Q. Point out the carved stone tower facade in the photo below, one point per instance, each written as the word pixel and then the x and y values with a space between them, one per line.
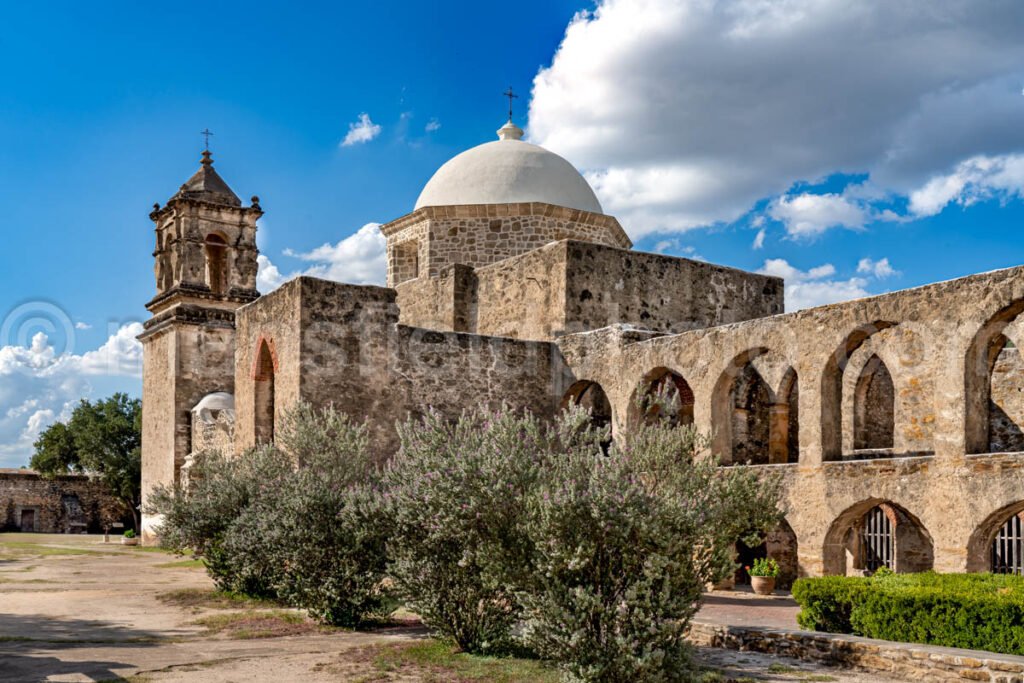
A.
pixel 205 270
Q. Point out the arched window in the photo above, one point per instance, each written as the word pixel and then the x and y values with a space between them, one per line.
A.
pixel 216 264
pixel 875 534
pixel 874 412
pixel 1008 547
pixel 591 397
pixel 752 403
pixel 1006 398
pixel 663 390
pixel 264 393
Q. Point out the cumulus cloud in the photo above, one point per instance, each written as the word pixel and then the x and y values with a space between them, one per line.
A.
pixel 360 258
pixel 39 385
pixel 758 239
pixel 819 285
pixel 880 269
pixel 432 125
pixel 685 113
pixel 808 215
pixel 814 287
pixel 361 131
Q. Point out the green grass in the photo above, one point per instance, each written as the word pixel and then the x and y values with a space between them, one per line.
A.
pixel 261 624
pixel 214 599
pixel 776 668
pixel 439 661
pixel 182 564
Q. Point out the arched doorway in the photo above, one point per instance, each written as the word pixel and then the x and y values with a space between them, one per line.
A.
pixel 779 544
pixel 875 534
pixel 751 418
pixel 263 394
pixel 994 385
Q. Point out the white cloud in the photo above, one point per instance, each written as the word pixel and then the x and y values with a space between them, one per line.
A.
pixel 808 215
pixel 758 239
pixel 82 326
pixel 360 258
pixel 973 180
pixel 685 113
pixel 819 286
pixel 432 125
pixel 880 269
pixel 38 385
pixel 805 289
pixel 361 131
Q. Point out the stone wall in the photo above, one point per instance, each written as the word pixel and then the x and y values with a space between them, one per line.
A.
pixel 341 345
pixel 570 286
pixel 478 235
pixel 903 661
pixel 65 504
pixel 936 343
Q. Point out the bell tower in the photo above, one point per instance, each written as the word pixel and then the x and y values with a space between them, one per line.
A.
pixel 205 268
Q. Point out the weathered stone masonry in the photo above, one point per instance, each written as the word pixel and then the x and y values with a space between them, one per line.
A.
pixel 64 504
pixel 896 421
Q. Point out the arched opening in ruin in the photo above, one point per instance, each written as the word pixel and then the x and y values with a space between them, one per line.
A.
pixel 832 388
pixel 874 534
pixel 874 407
pixel 591 397
pixel 994 385
pixel 263 394
pixel 779 544
pixel 216 263
pixel 997 545
pixel 785 433
pixel 751 418
pixel 752 423
pixel 662 395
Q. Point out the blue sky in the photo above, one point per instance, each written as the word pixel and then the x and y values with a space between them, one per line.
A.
pixel 852 151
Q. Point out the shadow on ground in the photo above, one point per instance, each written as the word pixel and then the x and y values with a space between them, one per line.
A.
pixel 34 648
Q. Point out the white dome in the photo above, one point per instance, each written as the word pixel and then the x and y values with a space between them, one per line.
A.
pixel 508 171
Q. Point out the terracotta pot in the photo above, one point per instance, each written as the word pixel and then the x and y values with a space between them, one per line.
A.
pixel 763 585
pixel 129 541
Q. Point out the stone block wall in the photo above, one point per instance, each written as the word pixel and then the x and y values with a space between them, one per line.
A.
pixel 952 489
pixel 478 235
pixel 66 504
pixel 341 345
pixel 570 286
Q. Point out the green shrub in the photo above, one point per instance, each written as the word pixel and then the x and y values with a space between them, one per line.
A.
pixel 456 495
pixel 130 533
pixel 975 611
pixel 299 520
pixel 827 602
pixel 625 544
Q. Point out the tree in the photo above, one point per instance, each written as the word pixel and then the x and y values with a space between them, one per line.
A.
pixel 102 439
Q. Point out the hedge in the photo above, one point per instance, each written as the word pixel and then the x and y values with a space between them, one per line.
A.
pixel 974 611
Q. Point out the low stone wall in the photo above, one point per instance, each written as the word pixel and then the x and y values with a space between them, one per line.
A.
pixel 906 661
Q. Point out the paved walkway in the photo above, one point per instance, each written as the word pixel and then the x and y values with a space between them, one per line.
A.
pixel 74 609
pixel 744 608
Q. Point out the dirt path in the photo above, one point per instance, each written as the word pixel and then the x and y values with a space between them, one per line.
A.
pixel 74 609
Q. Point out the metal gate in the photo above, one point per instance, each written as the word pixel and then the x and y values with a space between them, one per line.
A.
pixel 1008 548
pixel 877 540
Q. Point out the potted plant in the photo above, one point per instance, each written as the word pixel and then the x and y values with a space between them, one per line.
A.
pixel 763 573
pixel 129 538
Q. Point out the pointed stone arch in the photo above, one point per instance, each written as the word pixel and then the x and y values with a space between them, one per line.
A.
pixel 874 407
pixel 990 345
pixel 851 543
pixel 591 396
pixel 832 387
pixel 657 386
pixel 264 373
pixel 987 552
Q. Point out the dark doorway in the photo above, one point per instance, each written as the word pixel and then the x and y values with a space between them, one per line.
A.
pixel 28 520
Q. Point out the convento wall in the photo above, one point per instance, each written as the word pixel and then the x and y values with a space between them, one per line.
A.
pixel 896 421
pixel 67 504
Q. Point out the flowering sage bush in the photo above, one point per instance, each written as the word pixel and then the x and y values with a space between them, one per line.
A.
pixel 457 495
pixel 304 526
pixel 624 546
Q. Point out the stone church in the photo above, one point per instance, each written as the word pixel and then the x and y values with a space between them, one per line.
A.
pixel 897 421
